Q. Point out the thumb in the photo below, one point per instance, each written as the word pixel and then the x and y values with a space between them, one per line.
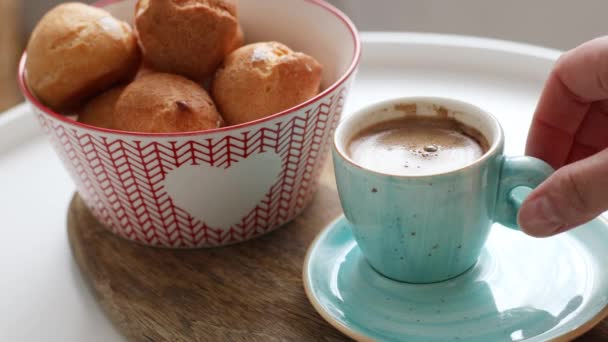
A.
pixel 573 195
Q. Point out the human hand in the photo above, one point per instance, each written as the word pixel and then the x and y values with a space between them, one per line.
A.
pixel 570 132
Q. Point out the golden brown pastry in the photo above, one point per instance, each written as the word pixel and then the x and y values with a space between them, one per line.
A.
pixel 164 103
pixel 100 110
pixel 186 37
pixel 262 79
pixel 76 51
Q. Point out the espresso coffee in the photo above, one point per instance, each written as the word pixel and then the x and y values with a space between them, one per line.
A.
pixel 417 145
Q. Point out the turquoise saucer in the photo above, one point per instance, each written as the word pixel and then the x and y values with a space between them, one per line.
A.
pixel 522 288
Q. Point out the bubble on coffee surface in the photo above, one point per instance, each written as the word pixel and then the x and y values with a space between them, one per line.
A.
pixel 431 148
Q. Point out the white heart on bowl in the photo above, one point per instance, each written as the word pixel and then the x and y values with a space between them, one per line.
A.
pixel 222 197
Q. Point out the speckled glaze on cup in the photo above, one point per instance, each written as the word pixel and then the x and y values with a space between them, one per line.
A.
pixel 429 228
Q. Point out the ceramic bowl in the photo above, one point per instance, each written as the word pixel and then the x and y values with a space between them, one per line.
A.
pixel 218 187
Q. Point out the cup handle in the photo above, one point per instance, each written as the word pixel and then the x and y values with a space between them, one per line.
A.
pixel 515 172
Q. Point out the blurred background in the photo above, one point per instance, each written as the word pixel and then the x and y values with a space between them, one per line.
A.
pixel 559 24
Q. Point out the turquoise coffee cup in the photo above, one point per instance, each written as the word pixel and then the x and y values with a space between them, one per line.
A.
pixel 429 228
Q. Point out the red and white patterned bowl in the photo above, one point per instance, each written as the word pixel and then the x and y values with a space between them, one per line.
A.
pixel 212 188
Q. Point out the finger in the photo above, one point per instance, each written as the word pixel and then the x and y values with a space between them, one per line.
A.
pixel 549 143
pixel 594 128
pixel 591 136
pixel 578 79
pixel 580 151
pixel 572 196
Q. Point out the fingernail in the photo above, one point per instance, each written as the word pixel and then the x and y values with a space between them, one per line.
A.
pixel 539 217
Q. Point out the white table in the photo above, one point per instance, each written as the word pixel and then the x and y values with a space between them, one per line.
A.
pixel 42 295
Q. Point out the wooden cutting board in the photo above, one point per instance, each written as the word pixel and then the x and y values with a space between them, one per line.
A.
pixel 248 292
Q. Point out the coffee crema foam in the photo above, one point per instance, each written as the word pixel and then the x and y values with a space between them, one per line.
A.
pixel 415 145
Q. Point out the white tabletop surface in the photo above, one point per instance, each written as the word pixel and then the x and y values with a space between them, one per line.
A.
pixel 42 294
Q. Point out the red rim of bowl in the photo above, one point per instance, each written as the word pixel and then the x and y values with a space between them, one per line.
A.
pixel 352 67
